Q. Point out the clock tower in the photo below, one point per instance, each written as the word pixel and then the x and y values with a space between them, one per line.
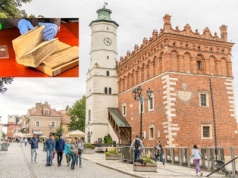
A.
pixel 101 84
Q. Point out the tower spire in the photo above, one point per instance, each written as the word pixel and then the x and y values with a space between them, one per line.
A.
pixel 105 4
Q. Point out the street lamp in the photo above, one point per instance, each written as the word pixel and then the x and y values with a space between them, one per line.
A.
pixel 50 126
pixel 139 97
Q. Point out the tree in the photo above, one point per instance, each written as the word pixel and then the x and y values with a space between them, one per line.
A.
pixel 77 114
pixel 11 8
pixel 4 81
pixel 3 135
pixel 59 131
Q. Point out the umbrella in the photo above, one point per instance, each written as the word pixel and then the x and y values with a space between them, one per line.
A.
pixel 27 135
pixel 19 134
pixel 43 136
pixel 76 133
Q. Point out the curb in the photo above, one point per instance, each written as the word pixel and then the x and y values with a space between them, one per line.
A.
pixel 115 169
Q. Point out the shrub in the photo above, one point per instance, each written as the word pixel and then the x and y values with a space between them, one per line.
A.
pixel 112 150
pixel 89 146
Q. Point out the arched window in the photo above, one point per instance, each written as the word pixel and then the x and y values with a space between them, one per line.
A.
pixel 110 90
pixel 107 73
pixel 89 137
pixel 89 115
pixel 105 90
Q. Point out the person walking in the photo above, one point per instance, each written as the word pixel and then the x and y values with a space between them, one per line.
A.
pixel 34 148
pixel 59 147
pixel 138 146
pixel 159 153
pixel 73 152
pixel 25 140
pixel 79 147
pixel 196 156
pixel 67 152
pixel 49 146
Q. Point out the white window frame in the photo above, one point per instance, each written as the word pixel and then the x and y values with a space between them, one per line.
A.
pixel 46 110
pixel 152 97
pixel 52 124
pixel 143 106
pixel 158 133
pixel 152 127
pixel 124 105
pixel 38 122
pixel 144 134
pixel 210 134
pixel 207 98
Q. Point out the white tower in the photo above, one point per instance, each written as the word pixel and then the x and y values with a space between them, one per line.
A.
pixel 101 91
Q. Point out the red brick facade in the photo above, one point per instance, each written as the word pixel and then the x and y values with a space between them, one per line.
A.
pixel 176 65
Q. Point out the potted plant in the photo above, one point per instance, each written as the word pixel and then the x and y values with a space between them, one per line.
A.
pixel 146 164
pixel 112 154
pixel 89 149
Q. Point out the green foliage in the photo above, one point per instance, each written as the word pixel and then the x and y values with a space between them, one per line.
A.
pixel 11 8
pixel 4 81
pixel 77 115
pixel 59 130
pixel 89 146
pixel 148 158
pixel 112 150
pixel 108 139
pixel 3 135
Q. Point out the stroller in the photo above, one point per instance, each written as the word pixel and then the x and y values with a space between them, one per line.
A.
pixel 219 164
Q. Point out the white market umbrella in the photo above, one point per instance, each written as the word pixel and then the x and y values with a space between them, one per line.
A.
pixel 76 133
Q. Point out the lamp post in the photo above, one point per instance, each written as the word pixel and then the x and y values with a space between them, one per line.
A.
pixel 50 126
pixel 139 97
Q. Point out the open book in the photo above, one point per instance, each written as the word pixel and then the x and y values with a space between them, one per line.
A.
pixel 51 57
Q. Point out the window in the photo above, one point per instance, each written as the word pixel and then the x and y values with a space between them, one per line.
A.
pixel 151 132
pixel 203 99
pixel 151 103
pixel 199 65
pixel 53 124
pixel 110 90
pixel 206 131
pixel 89 115
pixel 105 90
pixel 107 57
pixel 89 137
pixel 158 133
pixel 199 48
pixel 107 28
pixel 107 73
pixel 46 111
pixel 37 124
pixel 124 109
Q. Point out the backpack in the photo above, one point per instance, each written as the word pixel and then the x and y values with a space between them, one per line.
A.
pixel 137 143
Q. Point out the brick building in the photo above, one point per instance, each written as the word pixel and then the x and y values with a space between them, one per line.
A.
pixel 13 125
pixel 177 65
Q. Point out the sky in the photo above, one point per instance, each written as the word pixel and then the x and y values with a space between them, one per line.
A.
pixel 137 19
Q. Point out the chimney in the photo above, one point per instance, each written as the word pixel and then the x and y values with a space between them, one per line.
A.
pixel 223 30
pixel 167 23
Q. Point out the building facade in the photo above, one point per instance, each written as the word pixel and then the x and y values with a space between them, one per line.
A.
pixel 13 125
pixel 177 65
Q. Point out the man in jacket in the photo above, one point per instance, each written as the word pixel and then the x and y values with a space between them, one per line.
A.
pixel 59 146
pixel 137 144
pixel 50 148
pixel 79 146
pixel 34 147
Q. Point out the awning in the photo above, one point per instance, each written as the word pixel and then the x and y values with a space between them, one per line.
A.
pixel 37 132
pixel 118 117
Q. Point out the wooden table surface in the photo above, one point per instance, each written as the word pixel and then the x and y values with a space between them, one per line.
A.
pixel 69 33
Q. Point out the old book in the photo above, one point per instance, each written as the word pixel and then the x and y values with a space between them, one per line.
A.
pixel 31 49
pixel 61 61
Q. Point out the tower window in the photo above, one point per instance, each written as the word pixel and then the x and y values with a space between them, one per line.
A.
pixel 199 65
pixel 89 115
pixel 105 90
pixel 110 90
pixel 124 109
pixel 203 99
pixel 107 73
pixel 107 57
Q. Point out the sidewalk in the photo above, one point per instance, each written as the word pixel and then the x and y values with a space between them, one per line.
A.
pixel 167 171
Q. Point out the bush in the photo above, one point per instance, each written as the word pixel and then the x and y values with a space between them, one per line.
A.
pixel 112 150
pixel 89 146
pixel 148 157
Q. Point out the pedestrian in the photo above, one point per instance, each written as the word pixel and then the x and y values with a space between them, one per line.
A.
pixel 59 147
pixel 79 147
pixel 196 156
pixel 25 140
pixel 49 146
pixel 73 152
pixel 34 148
pixel 67 152
pixel 21 140
pixel 138 146
pixel 159 153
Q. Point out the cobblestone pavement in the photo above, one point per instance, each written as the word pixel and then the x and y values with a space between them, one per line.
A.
pixel 16 163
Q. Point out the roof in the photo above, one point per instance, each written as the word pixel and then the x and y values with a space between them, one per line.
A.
pixel 118 117
pixel 65 118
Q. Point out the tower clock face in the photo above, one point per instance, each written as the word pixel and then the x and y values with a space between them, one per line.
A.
pixel 107 41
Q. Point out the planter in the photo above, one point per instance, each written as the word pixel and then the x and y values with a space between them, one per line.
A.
pixel 149 167
pixel 88 151
pixel 113 157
